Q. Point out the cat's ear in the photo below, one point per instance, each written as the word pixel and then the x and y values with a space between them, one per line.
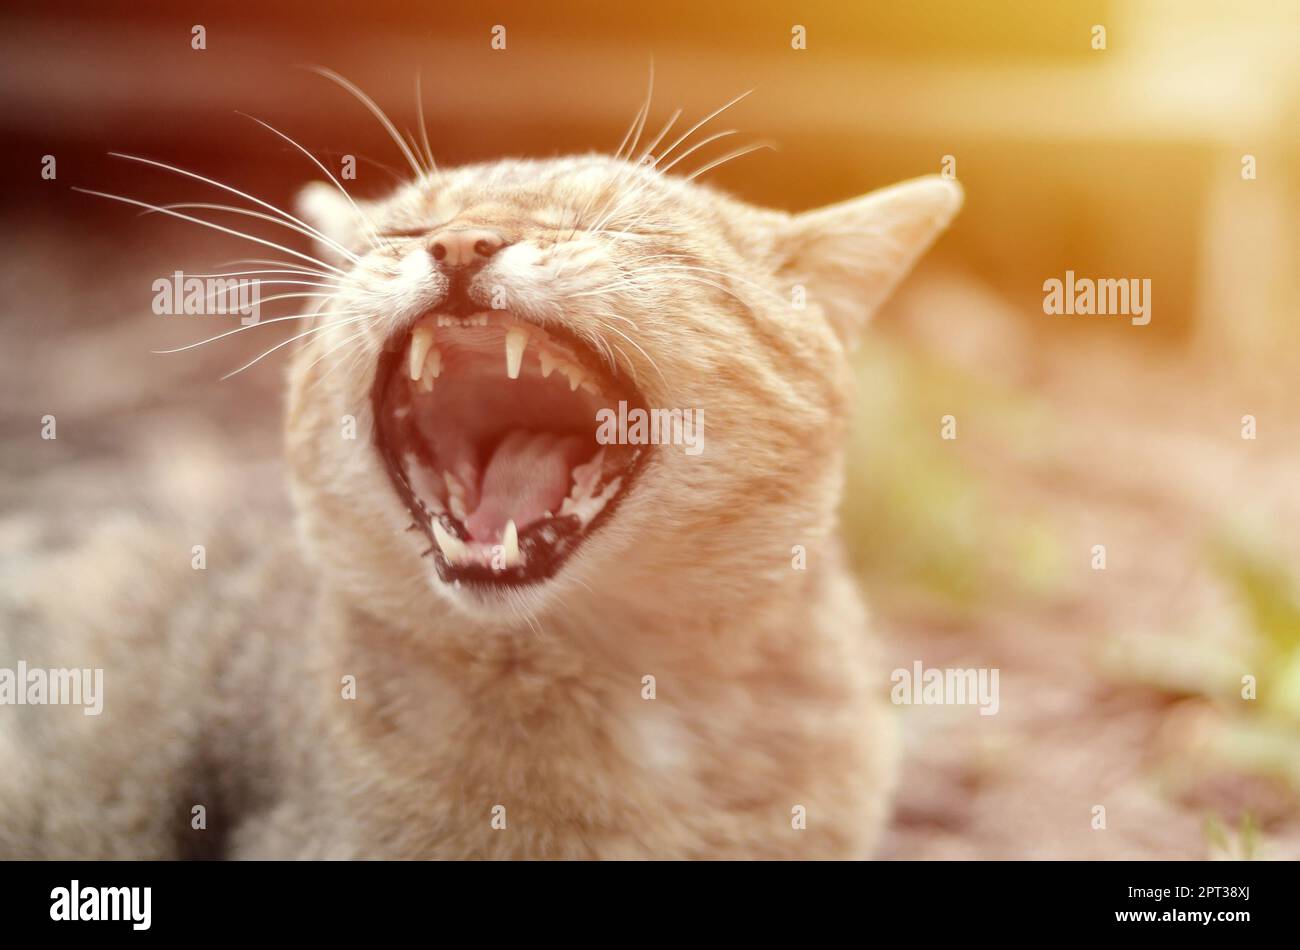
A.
pixel 328 210
pixel 849 256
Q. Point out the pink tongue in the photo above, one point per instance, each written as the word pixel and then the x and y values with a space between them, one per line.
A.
pixel 529 474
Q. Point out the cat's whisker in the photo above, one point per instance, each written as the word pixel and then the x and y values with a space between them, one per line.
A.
pixel 628 320
pixel 602 348
pixel 297 296
pixel 522 611
pixel 355 357
pixel 248 212
pixel 606 217
pixel 252 273
pixel 377 112
pixel 326 326
pixel 627 361
pixel 649 150
pixel 424 131
pixel 252 326
pixel 639 126
pixel 611 346
pixel 637 119
pixel 648 358
pixel 705 121
pixel 409 137
pixel 294 265
pixel 228 291
pixel 642 115
pixel 228 188
pixel 213 225
pixel 696 147
pixel 372 233
pixel 642 162
pixel 738 153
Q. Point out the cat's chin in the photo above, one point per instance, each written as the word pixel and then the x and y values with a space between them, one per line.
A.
pixel 489 428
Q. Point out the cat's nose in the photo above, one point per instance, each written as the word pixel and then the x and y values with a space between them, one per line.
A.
pixel 465 247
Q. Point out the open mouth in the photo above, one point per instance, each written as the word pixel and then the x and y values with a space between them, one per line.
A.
pixel 487 425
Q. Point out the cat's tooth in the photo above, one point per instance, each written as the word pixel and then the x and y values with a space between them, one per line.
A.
pixel 575 374
pixel 510 543
pixel 421 340
pixel 453 548
pixel 433 362
pixel 455 496
pixel 427 375
pixel 548 363
pixel 516 342
pixel 457 507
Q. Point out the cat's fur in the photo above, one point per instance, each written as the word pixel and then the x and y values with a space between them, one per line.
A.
pixel 229 693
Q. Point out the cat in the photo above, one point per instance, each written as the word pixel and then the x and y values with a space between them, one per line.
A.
pixel 491 636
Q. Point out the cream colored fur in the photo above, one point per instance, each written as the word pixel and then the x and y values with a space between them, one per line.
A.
pixel 766 700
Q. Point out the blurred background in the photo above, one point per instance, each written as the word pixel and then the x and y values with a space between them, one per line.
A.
pixel 1120 687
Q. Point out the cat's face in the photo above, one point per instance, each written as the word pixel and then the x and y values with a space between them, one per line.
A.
pixel 464 426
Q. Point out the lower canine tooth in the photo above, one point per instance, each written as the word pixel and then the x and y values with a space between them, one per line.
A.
pixel 421 340
pixel 510 543
pixel 453 548
pixel 516 342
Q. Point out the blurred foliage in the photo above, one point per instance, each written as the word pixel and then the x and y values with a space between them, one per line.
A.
pixel 1266 591
pixel 918 515
pixel 1257 737
pixel 1225 845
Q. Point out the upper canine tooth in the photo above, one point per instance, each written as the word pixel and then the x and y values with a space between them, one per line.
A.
pixel 421 340
pixel 510 543
pixel 516 342
pixel 453 548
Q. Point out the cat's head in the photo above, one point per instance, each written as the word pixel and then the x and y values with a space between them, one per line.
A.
pixel 446 433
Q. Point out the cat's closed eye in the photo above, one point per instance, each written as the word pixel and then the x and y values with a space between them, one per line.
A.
pixel 406 232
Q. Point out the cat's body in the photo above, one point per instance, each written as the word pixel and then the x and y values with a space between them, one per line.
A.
pixel 694 681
